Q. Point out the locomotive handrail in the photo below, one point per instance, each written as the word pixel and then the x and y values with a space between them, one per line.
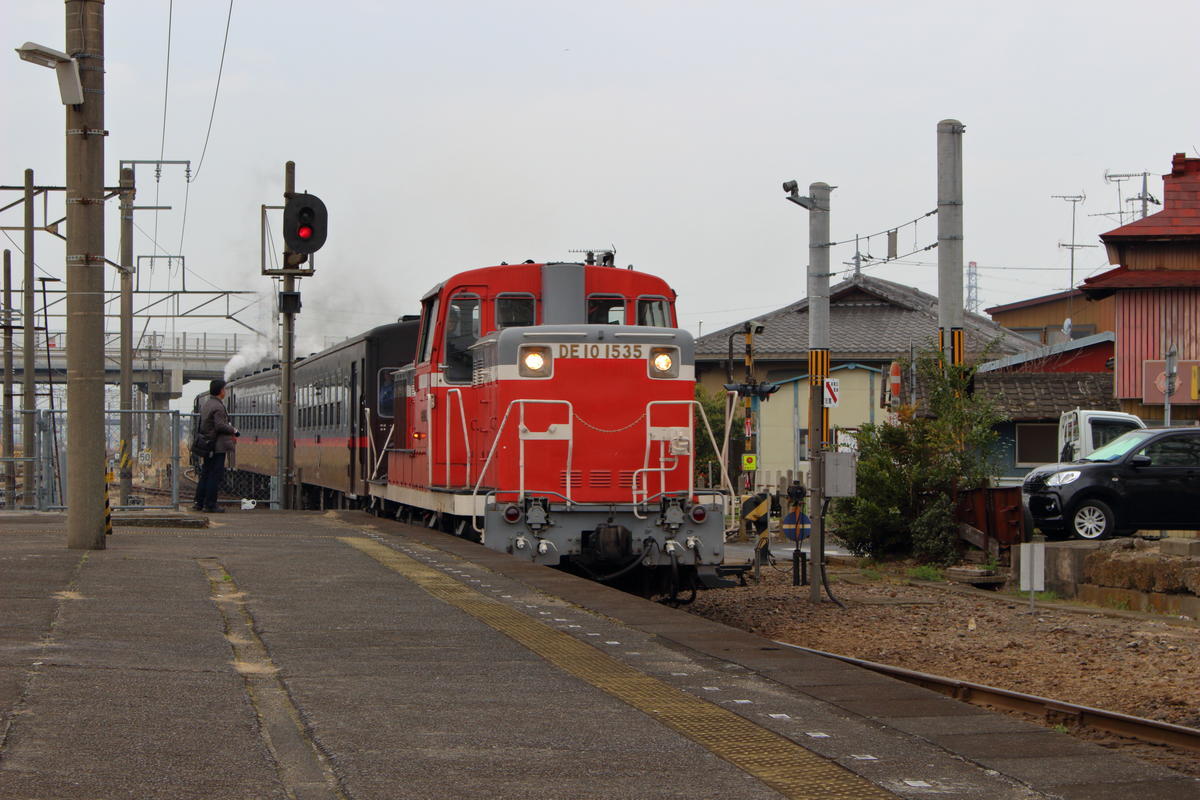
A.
pixel 462 416
pixel 691 456
pixel 496 443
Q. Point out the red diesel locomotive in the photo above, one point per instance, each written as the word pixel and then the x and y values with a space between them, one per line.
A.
pixel 546 410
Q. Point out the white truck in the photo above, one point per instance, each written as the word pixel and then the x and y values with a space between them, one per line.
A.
pixel 1080 432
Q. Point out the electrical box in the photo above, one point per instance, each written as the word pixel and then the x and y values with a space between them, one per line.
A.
pixel 840 474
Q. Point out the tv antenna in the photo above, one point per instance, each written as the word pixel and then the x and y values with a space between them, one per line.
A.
pixel 1074 200
pixel 1144 196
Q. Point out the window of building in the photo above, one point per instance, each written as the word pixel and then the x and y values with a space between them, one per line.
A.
pixel 1037 444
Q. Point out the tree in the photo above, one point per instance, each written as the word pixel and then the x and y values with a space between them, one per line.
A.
pixel 713 404
pixel 911 471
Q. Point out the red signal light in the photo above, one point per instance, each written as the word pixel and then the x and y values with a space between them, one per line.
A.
pixel 305 232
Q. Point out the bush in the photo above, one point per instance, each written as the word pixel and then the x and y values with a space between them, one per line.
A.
pixel 910 471
pixel 935 533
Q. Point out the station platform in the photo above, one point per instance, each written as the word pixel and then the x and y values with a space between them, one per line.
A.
pixel 324 655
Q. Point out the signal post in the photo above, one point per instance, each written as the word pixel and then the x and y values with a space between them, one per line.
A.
pixel 305 228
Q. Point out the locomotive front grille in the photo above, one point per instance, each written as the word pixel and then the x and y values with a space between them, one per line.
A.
pixel 600 479
pixel 576 478
pixel 625 479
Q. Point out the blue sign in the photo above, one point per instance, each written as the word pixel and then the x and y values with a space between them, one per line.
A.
pixel 789 526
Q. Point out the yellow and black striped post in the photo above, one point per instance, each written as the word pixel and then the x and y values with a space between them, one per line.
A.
pixel 108 479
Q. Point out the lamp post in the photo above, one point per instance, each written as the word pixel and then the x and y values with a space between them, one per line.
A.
pixel 82 91
pixel 817 205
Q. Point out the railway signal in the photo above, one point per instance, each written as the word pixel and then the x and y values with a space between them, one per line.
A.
pixel 305 223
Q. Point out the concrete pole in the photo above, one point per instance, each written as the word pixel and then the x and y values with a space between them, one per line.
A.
pixel 10 467
pixel 28 350
pixel 287 388
pixel 126 405
pixel 818 371
pixel 85 281
pixel 950 241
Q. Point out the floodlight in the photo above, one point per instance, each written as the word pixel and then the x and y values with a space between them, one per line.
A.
pixel 70 88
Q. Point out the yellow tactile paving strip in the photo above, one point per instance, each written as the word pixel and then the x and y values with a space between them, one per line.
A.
pixel 778 762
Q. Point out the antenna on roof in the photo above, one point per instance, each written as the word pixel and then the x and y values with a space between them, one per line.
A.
pixel 604 256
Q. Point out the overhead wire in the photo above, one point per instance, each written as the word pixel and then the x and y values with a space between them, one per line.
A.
pixel 162 147
pixel 208 132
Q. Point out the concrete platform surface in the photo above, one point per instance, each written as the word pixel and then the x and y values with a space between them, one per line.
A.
pixel 338 655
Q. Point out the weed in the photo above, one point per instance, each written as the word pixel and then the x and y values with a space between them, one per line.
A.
pixel 925 573
pixel 1119 605
pixel 1060 728
pixel 871 574
pixel 226 577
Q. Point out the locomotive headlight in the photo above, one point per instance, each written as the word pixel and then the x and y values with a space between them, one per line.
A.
pixel 664 362
pixel 534 361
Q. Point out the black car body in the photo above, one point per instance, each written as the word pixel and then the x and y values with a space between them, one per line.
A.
pixel 1145 479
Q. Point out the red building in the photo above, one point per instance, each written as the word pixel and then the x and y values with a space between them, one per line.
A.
pixel 1156 287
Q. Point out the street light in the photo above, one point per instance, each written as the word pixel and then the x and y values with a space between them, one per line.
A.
pixel 70 88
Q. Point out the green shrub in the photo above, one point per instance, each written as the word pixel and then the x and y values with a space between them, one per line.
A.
pixel 925 573
pixel 909 471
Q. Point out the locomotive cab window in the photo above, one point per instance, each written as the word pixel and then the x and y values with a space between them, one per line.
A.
pixel 462 331
pixel 654 312
pixel 606 309
pixel 515 311
pixel 429 316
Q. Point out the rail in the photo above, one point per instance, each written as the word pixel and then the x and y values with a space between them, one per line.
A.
pixel 1140 728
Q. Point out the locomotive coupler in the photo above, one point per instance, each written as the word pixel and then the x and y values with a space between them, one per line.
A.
pixel 672 515
pixel 536 516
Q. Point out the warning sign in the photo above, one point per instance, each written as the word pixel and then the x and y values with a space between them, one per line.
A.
pixel 749 462
pixel 833 392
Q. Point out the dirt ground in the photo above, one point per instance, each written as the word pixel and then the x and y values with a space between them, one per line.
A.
pixel 1134 664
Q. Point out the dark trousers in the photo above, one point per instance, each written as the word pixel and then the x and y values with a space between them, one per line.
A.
pixel 212 473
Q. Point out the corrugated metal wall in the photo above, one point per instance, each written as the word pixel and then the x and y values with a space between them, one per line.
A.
pixel 1148 322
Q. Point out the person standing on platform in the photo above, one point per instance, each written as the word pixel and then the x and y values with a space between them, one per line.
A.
pixel 214 423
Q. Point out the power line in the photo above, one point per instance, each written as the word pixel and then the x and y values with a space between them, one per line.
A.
pixel 216 92
pixel 162 147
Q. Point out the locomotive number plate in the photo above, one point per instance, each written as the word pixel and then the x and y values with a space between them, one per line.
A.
pixel 599 350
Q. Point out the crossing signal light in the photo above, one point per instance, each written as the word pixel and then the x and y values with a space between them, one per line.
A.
pixel 762 391
pixel 305 223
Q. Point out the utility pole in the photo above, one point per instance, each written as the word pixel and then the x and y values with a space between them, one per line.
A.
pixel 951 341
pixel 817 204
pixel 28 348
pixel 125 462
pixel 818 371
pixel 85 280
pixel 10 467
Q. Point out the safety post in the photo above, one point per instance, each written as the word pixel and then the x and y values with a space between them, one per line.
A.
pixel 108 480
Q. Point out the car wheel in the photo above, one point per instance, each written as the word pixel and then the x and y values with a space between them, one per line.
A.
pixel 1093 519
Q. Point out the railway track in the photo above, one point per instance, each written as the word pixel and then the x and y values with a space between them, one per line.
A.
pixel 1055 711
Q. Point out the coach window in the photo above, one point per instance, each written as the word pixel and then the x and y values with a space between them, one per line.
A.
pixel 462 330
pixel 654 312
pixel 430 317
pixel 387 391
pixel 515 311
pixel 606 309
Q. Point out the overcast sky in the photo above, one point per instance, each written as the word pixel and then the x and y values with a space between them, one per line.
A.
pixel 450 135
